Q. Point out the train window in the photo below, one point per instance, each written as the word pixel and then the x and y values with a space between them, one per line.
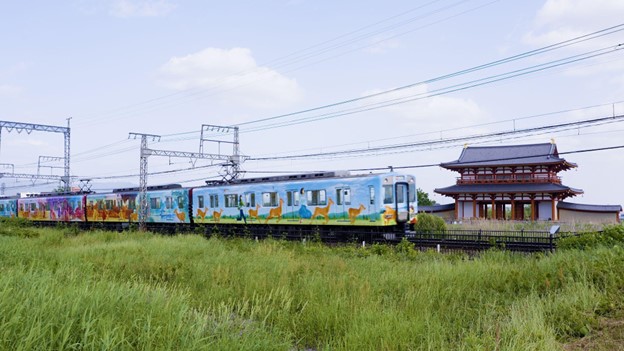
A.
pixel 388 194
pixel 109 204
pixel 269 199
pixel 33 206
pixel 168 202
pixel 317 198
pixel 132 204
pixel 214 200
pixel 231 200
pixel 1 207
pixel 293 197
pixel 155 202
pixel 412 192
pixel 250 199
pixel 401 194
pixel 200 201
pixel 180 202
pixel 343 196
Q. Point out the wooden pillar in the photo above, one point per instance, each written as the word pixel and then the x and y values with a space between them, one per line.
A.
pixel 532 207
pixel 513 208
pixel 474 206
pixel 456 214
pixel 552 206
pixel 493 216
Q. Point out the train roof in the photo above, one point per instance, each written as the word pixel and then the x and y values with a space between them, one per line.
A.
pixel 51 194
pixel 149 188
pixel 291 177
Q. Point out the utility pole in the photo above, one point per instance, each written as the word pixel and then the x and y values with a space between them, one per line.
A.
pixel 66 178
pixel 232 168
pixel 47 158
pixel 231 161
pixel 29 128
pixel 143 175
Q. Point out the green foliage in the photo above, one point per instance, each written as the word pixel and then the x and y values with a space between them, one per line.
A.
pixel 611 235
pixel 123 291
pixel 428 223
pixel 17 227
pixel 423 198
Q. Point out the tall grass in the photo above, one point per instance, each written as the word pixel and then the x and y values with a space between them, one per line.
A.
pixel 141 291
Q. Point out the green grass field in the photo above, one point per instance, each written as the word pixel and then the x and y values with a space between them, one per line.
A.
pixel 64 290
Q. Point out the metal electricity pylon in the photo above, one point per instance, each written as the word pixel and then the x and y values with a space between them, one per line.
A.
pixel 29 128
pixel 47 158
pixel 194 156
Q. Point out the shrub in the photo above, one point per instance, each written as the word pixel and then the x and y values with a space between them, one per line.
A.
pixel 428 223
pixel 609 236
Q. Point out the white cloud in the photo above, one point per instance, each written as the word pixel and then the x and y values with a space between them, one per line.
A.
pixel 141 8
pixel 233 72
pixel 559 20
pixel 429 114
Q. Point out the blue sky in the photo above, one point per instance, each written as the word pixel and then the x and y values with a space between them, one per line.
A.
pixel 167 66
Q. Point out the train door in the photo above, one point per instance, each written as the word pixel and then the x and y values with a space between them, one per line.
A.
pixel 343 201
pixel 293 198
pixel 402 192
pixel 372 204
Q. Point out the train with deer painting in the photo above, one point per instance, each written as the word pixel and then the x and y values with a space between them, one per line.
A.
pixel 336 200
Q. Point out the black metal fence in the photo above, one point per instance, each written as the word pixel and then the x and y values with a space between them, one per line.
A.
pixel 477 240
pixel 446 240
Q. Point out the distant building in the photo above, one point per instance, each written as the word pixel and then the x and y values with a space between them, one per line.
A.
pixel 517 182
pixel 447 211
pixel 569 212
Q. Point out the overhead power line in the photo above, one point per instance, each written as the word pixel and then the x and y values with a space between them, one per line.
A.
pixel 445 90
pixel 429 165
pixel 312 51
pixel 441 91
pixel 577 124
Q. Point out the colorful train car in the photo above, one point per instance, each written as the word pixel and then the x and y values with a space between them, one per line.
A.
pixel 116 207
pixel 57 208
pixel 328 198
pixel 8 207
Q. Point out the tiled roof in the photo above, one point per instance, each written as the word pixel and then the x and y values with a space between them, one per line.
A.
pixel 589 208
pixel 507 188
pixel 436 208
pixel 508 155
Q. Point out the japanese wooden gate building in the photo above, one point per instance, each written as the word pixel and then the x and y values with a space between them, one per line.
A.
pixel 514 182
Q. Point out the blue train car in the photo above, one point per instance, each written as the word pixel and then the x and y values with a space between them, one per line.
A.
pixel 8 207
pixel 168 204
pixel 327 198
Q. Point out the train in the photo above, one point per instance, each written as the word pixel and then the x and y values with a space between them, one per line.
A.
pixel 329 202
